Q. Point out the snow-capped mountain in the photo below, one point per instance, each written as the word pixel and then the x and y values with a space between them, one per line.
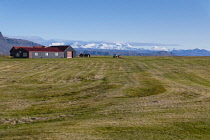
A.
pixel 156 48
pixel 114 46
pixel 100 44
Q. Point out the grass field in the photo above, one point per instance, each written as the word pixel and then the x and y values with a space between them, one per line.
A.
pixel 105 98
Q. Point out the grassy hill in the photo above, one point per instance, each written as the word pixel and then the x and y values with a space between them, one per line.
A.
pixel 105 98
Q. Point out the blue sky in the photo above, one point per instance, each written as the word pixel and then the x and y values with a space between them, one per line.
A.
pixel 182 22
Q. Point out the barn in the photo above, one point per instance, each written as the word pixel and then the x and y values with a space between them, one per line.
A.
pixel 63 51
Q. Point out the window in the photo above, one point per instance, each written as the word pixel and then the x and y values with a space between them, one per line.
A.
pixel 46 54
pixel 36 54
pixel 56 54
pixel 25 54
pixel 17 55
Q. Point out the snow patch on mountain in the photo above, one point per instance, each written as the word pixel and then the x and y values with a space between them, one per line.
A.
pixel 114 46
pixel 156 48
pixel 56 44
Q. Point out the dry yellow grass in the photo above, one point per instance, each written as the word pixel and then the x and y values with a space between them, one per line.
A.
pixel 105 98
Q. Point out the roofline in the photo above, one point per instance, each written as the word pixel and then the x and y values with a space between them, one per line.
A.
pixel 59 45
pixel 67 47
pixel 44 51
pixel 62 46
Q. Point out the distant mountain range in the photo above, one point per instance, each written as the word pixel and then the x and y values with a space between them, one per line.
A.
pixel 105 46
pixel 193 52
pixel 83 43
pixel 123 52
pixel 7 43
pixel 101 47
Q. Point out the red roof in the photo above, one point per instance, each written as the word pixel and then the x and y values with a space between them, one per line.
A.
pixel 44 49
pixel 38 46
pixel 63 48
pixel 17 47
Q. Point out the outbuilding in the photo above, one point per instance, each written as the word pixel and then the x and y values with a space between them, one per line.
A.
pixel 63 51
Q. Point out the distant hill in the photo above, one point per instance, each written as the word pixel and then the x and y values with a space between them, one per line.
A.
pixel 124 52
pixel 161 53
pixel 194 52
pixel 7 43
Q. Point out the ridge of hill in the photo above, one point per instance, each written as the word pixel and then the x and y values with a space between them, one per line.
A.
pixel 7 43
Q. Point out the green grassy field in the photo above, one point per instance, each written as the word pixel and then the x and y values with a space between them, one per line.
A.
pixel 105 98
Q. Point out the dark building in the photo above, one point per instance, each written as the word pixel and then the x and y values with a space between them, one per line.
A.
pixel 84 55
pixel 64 51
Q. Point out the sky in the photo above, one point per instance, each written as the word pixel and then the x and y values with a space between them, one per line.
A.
pixel 182 22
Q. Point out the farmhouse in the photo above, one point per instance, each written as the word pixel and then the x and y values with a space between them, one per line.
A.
pixel 62 51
